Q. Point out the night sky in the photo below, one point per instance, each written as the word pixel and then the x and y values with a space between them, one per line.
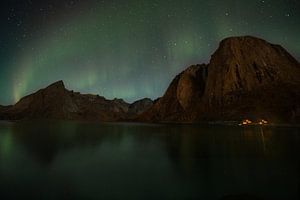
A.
pixel 126 49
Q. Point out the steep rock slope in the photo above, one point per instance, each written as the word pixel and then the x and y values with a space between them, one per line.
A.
pixel 178 102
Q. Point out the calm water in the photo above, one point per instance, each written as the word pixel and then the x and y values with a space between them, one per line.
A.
pixel 71 160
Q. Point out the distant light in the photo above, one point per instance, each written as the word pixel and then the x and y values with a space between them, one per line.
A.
pixel 246 122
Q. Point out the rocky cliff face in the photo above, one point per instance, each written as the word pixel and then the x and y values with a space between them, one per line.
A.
pixel 247 77
pixel 56 102
pixel 178 103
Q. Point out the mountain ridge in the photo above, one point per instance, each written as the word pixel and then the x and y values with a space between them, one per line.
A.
pixel 56 102
pixel 247 77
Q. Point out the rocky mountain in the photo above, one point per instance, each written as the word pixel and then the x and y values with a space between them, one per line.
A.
pixel 56 102
pixel 138 107
pixel 247 77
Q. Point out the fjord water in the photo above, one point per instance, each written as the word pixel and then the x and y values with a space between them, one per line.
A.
pixel 77 160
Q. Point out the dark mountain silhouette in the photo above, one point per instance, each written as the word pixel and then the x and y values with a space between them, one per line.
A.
pixel 247 77
pixel 56 102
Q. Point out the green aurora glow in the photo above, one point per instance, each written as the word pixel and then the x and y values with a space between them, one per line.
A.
pixel 131 50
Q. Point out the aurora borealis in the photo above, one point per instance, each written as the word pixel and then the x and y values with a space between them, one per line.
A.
pixel 126 49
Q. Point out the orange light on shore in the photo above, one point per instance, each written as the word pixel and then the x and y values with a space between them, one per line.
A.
pixel 263 122
pixel 249 122
pixel 246 122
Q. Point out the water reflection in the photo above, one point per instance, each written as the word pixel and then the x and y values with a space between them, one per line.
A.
pixel 88 160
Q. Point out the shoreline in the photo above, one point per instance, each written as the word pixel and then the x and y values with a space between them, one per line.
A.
pixel 217 123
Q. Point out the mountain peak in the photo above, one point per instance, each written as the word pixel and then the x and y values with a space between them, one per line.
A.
pixel 247 63
pixel 57 84
pixel 242 38
pixel 250 48
pixel 243 45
